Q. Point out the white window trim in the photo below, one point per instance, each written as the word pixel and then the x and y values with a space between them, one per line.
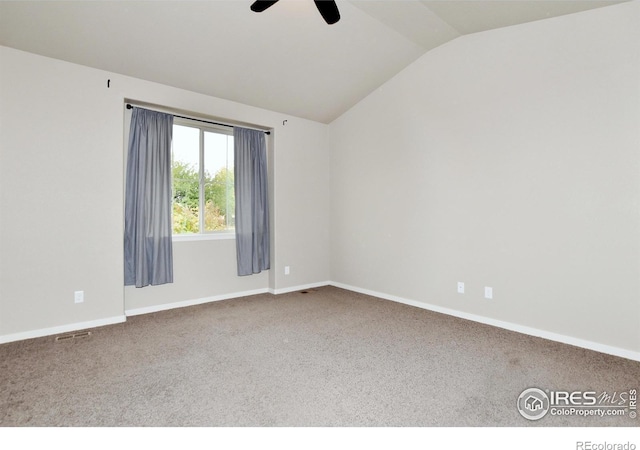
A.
pixel 197 123
pixel 222 129
pixel 217 236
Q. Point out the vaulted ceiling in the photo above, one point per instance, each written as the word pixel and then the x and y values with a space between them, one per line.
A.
pixel 286 59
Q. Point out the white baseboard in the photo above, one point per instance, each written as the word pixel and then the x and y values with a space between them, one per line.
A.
pixel 145 310
pixel 299 288
pixel 61 329
pixel 217 298
pixel 197 301
pixel 590 345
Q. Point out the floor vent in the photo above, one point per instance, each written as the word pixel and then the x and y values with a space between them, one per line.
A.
pixel 68 337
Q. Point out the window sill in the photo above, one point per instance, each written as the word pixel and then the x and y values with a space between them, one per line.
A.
pixel 203 237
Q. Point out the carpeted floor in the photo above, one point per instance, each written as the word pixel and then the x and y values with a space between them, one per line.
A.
pixel 326 358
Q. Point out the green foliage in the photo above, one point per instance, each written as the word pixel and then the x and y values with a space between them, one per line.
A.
pixel 185 184
pixel 219 199
pixel 185 219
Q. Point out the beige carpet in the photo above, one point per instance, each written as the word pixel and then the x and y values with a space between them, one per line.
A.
pixel 326 358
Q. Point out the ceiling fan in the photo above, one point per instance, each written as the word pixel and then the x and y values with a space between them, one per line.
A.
pixel 328 8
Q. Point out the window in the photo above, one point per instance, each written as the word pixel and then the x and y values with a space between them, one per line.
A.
pixel 202 179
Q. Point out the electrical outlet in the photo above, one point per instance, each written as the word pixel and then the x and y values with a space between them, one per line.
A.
pixel 460 287
pixel 287 270
pixel 78 296
pixel 488 292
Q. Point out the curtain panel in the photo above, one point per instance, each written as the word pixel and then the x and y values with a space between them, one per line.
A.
pixel 148 252
pixel 252 201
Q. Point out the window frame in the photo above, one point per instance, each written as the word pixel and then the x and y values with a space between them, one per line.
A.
pixel 202 235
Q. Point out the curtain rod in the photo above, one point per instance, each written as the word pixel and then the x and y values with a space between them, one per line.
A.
pixel 129 106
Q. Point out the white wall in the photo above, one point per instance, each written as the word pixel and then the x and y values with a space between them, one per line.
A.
pixel 302 205
pixel 61 199
pixel 61 196
pixel 510 159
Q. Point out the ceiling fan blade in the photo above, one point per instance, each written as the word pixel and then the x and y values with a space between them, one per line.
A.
pixel 261 5
pixel 329 10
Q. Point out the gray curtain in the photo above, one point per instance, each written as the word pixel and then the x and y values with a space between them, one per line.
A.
pixel 148 253
pixel 252 201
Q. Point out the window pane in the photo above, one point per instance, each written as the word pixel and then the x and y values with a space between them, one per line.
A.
pixel 186 185
pixel 218 173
